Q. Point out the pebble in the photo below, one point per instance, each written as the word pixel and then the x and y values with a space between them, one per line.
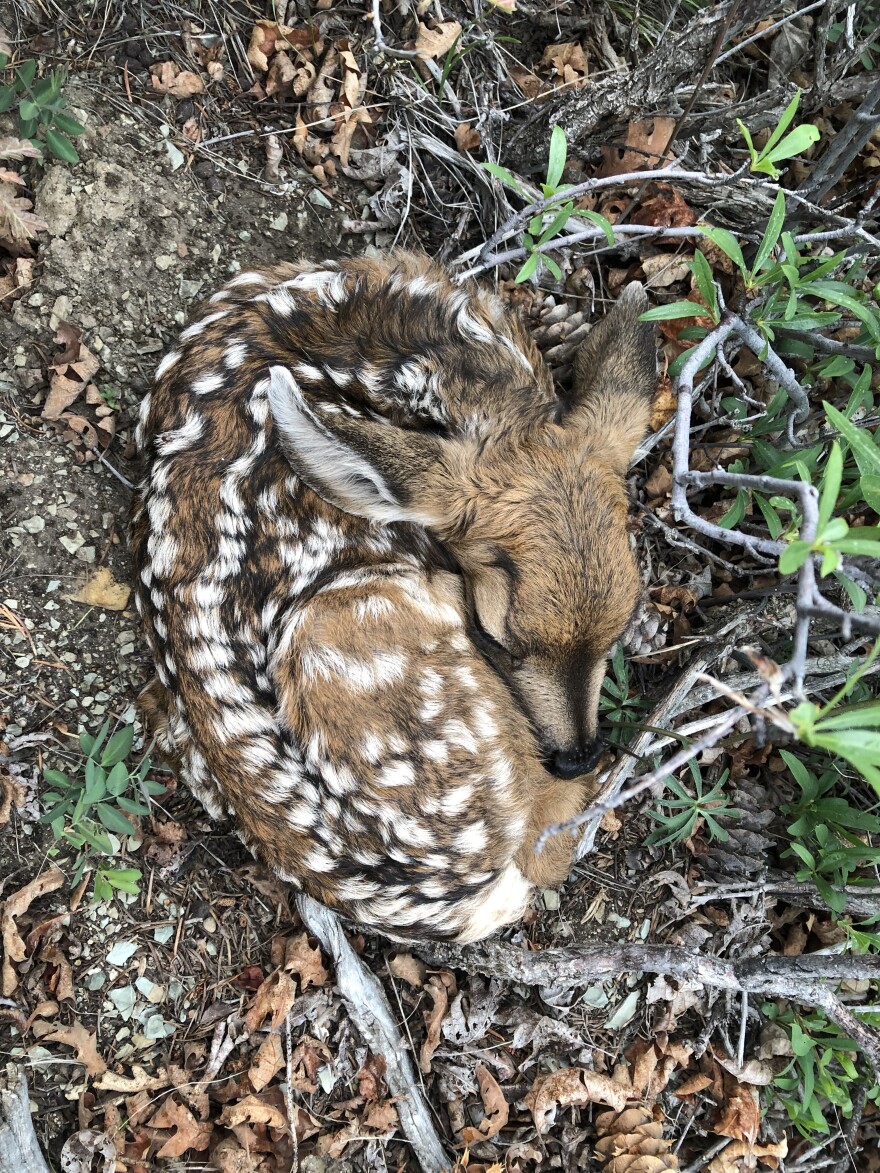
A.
pixel 34 525
pixel 163 261
pixel 85 554
pixel 318 199
pixel 279 224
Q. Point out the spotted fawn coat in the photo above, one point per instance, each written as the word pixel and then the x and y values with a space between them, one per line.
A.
pixel 380 564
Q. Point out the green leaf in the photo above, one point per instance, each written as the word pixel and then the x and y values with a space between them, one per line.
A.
pixel 677 365
pixel 67 124
pixel 118 747
pixel 56 778
pixel 118 781
pixel 736 512
pixel 504 175
pixel 771 233
pixel 830 486
pixel 98 840
pixel 558 152
pixel 865 451
pixel 132 806
pixel 7 97
pixel 857 595
pixel 800 140
pixel 528 268
pixel 598 219
pixel 784 122
pixel 727 242
pixel 557 223
pixel 113 819
pixel 705 282
pixel 552 266
pixel 837 366
pixel 870 489
pixel 793 557
pixel 123 879
pixel 840 294
pixel 61 147
pixel 675 309
pixel 853 545
pixel 25 73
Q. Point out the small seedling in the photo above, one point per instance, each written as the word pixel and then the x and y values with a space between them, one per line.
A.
pixel 88 810
pixel 778 148
pixel 547 224
pixel 41 108
pixel 617 703
pixel 680 814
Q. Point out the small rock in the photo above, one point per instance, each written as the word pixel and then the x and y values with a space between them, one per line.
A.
pixel 163 261
pixel 85 554
pixel 121 952
pixel 318 199
pixel 279 224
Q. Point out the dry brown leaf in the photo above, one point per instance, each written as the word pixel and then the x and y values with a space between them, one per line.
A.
pixel 371 1081
pixel 275 996
pixel 665 404
pixel 84 1044
pixel 742 1157
pixel 253 1110
pixel 62 985
pixel 381 1117
pixel 571 1086
pixel 566 64
pixel 308 1056
pixel 494 1105
pixel 646 140
pixel 305 961
pixel 466 138
pixel 659 483
pixel 267 1062
pixel 13 907
pixel 433 1017
pixel 189 1132
pixel 18 224
pixel 409 969
pixel 71 375
pixel 664 269
pixel 102 590
pixel 740 1115
pixel 334 1144
pixel 667 209
pixel 169 78
pixel 11 794
pixel 268 37
pixel 437 41
pixel 281 74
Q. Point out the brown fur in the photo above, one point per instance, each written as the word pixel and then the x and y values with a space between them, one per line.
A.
pixel 380 566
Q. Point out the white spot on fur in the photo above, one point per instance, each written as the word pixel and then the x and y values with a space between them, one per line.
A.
pixel 197 328
pixel 179 439
pixel 249 278
pixel 206 384
pixel 499 904
pixel 166 364
pixel 235 355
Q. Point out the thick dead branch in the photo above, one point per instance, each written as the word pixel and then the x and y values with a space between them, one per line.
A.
pixel 19 1148
pixel 678 59
pixel 799 979
pixel 365 999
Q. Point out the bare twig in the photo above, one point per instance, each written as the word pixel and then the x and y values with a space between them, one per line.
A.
pixel 799 979
pixel 368 1007
pixel 19 1148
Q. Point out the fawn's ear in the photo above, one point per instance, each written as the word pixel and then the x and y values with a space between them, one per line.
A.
pixel 615 379
pixel 364 466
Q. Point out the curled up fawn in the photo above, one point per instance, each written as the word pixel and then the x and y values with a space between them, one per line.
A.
pixel 380 563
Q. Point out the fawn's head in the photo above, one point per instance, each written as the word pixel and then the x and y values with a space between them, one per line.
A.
pixel 532 506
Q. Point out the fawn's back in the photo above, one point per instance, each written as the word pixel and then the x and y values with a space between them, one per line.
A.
pixel 380 565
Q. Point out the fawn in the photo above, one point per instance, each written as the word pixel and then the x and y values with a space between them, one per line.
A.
pixel 380 564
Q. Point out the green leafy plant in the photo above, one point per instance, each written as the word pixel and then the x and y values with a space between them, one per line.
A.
pixel 41 108
pixel 821 1075
pixel 88 810
pixel 851 732
pixel 618 704
pixel 780 146
pixel 679 814
pixel 827 832
pixel 546 225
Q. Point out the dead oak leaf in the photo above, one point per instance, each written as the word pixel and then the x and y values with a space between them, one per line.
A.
pixel 742 1157
pixel 466 138
pixel 14 907
pixel 644 145
pixel 269 37
pixel 380 1117
pixel 254 1110
pixel 189 1133
pixel 409 969
pixel 371 1078
pixel 437 988
pixel 571 1087
pixel 84 1044
pixel 267 1062
pixel 169 78
pixel 494 1105
pixel 275 996
pixel 305 961
pixel 436 42
pixel 740 1115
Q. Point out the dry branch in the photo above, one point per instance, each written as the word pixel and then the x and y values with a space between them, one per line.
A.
pixel 799 979
pixel 369 1010
pixel 19 1148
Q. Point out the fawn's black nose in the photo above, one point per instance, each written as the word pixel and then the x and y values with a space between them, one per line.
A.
pixel 571 763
